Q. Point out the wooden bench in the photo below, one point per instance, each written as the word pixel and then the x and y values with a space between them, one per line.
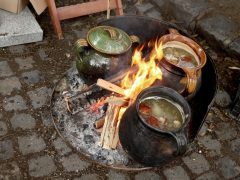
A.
pixel 72 11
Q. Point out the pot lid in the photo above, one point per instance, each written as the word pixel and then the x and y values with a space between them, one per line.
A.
pixel 109 40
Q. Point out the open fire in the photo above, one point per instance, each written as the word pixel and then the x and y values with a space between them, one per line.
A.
pixel 130 86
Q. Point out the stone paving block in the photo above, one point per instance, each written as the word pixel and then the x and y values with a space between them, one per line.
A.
pixel 187 10
pixel 61 146
pixel 3 128
pixel 147 175
pixel 32 77
pixel 19 28
pixel 225 131
pixel 24 63
pixel 228 167
pixel 209 176
pixel 31 144
pixel 222 99
pixel 154 14
pixel 39 97
pixel 144 7
pixel 19 49
pixel 10 171
pixel 42 54
pixel 5 69
pixel 234 47
pixel 211 144
pixel 196 163
pixel 14 103
pixel 89 177
pixel 73 163
pixel 6 150
pixel 113 175
pixel 176 172
pixel 23 121
pixel 203 129
pixel 46 119
pixel 218 28
pixel 8 85
pixel 41 166
pixel 235 146
pixel 160 3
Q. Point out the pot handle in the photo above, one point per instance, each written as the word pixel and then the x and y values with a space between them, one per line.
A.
pixel 112 33
pixel 173 31
pixel 135 39
pixel 181 142
pixel 79 46
pixel 191 80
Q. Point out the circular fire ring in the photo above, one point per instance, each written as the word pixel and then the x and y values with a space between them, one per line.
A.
pixel 77 127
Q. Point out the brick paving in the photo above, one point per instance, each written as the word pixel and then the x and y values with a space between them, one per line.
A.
pixel 30 147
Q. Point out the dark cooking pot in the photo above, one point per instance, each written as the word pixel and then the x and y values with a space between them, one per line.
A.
pixel 150 145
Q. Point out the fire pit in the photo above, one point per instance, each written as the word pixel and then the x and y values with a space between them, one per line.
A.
pixel 76 124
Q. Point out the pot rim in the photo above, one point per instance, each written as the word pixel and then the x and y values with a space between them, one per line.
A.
pixel 169 92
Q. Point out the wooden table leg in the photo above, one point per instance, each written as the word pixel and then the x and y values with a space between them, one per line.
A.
pixel 54 17
pixel 119 9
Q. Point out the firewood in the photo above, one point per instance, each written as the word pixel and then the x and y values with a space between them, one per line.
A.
pixel 119 101
pixel 109 126
pixel 99 123
pixel 110 86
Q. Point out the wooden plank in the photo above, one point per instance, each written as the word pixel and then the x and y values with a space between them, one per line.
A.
pixel 82 9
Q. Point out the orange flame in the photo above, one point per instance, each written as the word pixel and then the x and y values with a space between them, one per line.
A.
pixel 148 71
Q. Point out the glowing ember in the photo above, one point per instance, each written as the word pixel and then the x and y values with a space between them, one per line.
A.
pixel 148 71
pixel 95 107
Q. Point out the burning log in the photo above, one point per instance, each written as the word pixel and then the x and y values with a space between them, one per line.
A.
pixel 109 135
pixel 110 86
pixel 99 123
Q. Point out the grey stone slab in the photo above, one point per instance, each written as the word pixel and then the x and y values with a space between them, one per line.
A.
pixel 19 28
pixel 218 29
pixel 228 167
pixel 31 144
pixel 3 128
pixel 89 177
pixel 6 150
pixel 14 103
pixel 39 97
pixel 203 129
pixel 20 49
pixel 41 166
pixel 32 77
pixel 9 85
pixel 61 146
pixel 5 69
pixel 211 144
pixel 176 172
pixel 73 163
pixel 235 146
pixel 161 3
pixel 147 175
pixel 24 63
pixel 225 131
pixel 187 10
pixel 81 33
pixel 144 7
pixel 154 14
pixel 209 176
pixel 222 98
pixel 10 171
pixel 234 47
pixel 113 175
pixel 197 163
pixel 23 121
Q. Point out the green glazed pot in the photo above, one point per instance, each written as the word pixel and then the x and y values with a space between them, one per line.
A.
pixel 96 53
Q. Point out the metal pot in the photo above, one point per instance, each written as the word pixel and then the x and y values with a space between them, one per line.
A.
pixel 150 145
pixel 102 50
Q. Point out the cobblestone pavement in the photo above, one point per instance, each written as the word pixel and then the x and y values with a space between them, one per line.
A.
pixel 30 147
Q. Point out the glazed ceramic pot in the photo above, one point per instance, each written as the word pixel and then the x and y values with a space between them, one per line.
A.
pixel 182 63
pixel 145 142
pixel 102 49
